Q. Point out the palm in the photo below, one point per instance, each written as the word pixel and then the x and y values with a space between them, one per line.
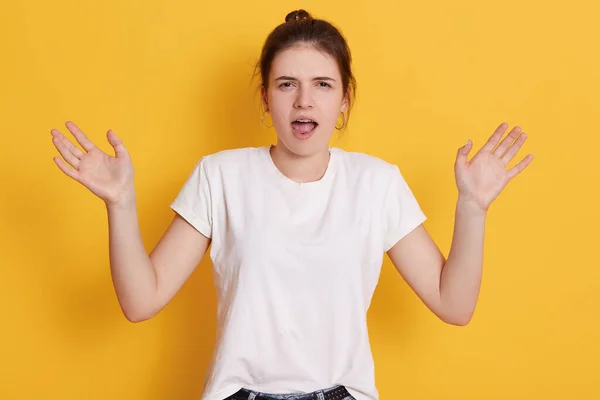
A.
pixel 483 178
pixel 101 173
pixel 107 177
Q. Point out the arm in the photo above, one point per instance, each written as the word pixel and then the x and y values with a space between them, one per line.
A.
pixel 144 283
pixel 449 288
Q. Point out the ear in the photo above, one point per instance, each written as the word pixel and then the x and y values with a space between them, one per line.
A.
pixel 346 100
pixel 264 97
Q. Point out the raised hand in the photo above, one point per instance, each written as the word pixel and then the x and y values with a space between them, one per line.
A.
pixel 110 178
pixel 482 179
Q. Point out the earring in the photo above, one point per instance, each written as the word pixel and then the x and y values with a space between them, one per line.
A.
pixel 262 120
pixel 344 122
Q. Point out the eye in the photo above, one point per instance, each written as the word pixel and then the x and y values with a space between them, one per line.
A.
pixel 324 83
pixel 285 84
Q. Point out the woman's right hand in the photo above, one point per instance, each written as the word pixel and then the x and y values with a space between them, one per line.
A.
pixel 110 178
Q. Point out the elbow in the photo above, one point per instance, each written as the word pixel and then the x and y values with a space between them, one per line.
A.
pixel 457 319
pixel 455 313
pixel 136 316
pixel 137 310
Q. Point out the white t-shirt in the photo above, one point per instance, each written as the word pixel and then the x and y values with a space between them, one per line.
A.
pixel 295 266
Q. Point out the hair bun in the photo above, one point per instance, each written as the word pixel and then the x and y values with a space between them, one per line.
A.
pixel 297 15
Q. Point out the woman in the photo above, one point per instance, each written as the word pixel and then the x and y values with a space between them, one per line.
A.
pixel 298 231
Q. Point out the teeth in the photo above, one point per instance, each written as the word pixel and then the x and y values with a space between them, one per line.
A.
pixel 304 120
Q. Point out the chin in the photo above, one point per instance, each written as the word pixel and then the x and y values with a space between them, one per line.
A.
pixel 305 147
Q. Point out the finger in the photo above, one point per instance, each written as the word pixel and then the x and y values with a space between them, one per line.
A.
pixel 80 136
pixel 70 146
pixel 463 154
pixel 507 141
pixel 66 169
pixel 117 144
pixel 495 138
pixel 62 145
pixel 514 171
pixel 512 151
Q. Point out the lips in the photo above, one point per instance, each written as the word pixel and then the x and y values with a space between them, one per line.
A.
pixel 304 125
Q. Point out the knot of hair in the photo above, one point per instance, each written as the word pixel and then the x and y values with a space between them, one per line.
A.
pixel 297 15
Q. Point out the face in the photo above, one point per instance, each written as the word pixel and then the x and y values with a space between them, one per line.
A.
pixel 304 85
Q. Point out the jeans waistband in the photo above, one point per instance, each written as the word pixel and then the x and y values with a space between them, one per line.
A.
pixel 338 392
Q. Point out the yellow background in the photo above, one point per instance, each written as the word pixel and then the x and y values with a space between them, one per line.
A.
pixel 172 79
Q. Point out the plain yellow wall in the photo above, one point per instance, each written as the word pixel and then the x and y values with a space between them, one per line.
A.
pixel 172 79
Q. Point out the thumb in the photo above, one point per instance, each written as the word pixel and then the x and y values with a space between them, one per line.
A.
pixel 117 144
pixel 463 152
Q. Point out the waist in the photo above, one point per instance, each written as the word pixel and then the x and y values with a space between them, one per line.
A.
pixel 337 392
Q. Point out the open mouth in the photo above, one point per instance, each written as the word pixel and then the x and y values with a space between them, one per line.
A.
pixel 304 126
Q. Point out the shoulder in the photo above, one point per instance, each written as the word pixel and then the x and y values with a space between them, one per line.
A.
pixel 232 156
pixel 358 163
pixel 228 159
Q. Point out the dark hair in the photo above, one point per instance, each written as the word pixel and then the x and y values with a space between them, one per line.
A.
pixel 301 28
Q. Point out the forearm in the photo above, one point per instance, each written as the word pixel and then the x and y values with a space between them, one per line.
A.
pixel 460 279
pixel 132 272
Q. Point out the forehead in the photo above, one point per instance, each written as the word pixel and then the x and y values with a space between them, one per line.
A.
pixel 304 61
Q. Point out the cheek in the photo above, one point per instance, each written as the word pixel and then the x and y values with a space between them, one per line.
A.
pixel 281 106
pixel 331 111
pixel 278 101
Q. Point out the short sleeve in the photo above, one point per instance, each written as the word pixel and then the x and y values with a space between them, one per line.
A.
pixel 401 211
pixel 193 201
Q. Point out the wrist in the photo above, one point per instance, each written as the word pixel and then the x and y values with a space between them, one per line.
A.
pixel 470 207
pixel 124 201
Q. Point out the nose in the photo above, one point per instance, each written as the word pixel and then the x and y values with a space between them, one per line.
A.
pixel 303 98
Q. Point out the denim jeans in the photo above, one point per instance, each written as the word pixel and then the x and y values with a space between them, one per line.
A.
pixel 252 395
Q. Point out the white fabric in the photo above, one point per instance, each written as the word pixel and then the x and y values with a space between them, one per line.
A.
pixel 295 266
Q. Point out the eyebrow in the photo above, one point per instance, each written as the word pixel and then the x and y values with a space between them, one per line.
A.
pixel 318 78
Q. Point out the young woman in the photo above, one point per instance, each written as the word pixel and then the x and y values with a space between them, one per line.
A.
pixel 298 231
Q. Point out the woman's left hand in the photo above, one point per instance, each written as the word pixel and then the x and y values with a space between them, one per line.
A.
pixel 482 179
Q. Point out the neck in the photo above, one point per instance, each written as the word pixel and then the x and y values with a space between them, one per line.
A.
pixel 303 169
